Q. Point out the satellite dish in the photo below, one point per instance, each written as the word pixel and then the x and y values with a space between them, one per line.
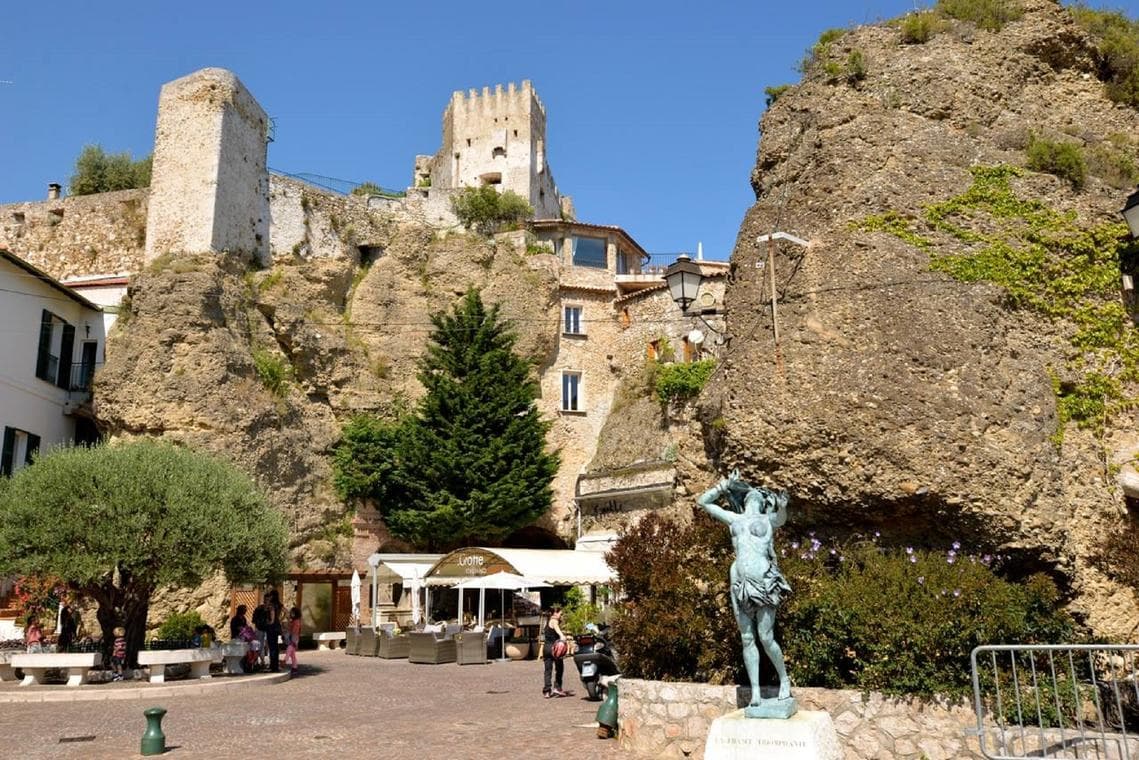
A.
pixel 696 337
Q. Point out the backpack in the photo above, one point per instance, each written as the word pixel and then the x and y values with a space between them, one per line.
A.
pixel 261 618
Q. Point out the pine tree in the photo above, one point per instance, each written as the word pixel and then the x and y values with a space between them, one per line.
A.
pixel 470 464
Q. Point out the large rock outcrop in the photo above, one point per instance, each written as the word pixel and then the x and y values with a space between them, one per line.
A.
pixel 899 398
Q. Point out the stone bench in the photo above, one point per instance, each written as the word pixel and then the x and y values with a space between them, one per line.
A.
pixel 157 659
pixel 7 672
pixel 35 666
pixel 234 652
pixel 329 639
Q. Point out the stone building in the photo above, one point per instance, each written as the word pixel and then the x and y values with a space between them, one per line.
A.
pixel 494 138
pixel 212 193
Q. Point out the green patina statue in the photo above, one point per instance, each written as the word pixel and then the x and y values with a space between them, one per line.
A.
pixel 757 584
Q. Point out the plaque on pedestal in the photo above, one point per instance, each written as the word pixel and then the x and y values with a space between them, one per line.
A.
pixel 806 735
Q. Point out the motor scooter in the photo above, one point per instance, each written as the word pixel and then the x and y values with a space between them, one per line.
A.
pixel 595 657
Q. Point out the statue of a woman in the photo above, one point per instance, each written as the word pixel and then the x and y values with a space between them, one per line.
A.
pixel 757 584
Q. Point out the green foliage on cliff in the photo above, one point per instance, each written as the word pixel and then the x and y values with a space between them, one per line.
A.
pixel 118 522
pixel 99 172
pixel 1060 158
pixel 470 463
pixel 773 93
pixel 486 211
pixel 273 371
pixel 1050 263
pixel 681 381
pixel 919 27
pixel 1117 43
pixel 986 14
pixel 899 620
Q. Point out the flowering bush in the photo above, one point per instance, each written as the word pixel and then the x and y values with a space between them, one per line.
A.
pixel 38 595
pixel 894 619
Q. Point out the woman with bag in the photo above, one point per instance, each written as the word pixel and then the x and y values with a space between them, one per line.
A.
pixel 552 653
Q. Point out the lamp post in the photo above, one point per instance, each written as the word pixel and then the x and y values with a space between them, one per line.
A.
pixel 1131 213
pixel 683 278
pixel 374 563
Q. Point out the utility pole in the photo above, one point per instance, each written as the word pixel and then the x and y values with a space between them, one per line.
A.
pixel 770 240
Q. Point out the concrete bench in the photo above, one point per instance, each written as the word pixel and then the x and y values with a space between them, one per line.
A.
pixel 7 672
pixel 234 652
pixel 157 659
pixel 75 663
pixel 329 639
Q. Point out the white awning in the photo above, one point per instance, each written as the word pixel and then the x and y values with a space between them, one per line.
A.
pixel 558 567
pixel 403 568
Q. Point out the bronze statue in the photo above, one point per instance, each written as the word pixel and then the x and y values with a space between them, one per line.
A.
pixel 757 584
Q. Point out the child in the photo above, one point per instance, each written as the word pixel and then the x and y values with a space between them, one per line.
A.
pixel 33 635
pixel 119 653
pixel 293 638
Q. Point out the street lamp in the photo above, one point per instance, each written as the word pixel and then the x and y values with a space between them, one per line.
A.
pixel 374 563
pixel 683 278
pixel 1131 213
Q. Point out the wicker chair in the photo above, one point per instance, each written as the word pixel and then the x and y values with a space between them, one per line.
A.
pixel 392 647
pixel 426 649
pixel 366 643
pixel 470 648
pixel 352 640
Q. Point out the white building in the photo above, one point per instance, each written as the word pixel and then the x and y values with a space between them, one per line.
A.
pixel 52 339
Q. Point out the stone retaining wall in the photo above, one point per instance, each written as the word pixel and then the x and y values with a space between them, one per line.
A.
pixel 659 719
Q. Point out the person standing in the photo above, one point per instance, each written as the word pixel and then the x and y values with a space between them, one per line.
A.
pixel 261 624
pixel 273 632
pixel 68 625
pixel 293 638
pixel 553 666
pixel 33 635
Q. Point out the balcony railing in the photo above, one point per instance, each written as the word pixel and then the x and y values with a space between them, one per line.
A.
pixel 82 377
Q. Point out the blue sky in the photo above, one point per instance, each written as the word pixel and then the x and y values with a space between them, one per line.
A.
pixel 652 106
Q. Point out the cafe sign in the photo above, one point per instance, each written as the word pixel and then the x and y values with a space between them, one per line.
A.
pixel 469 563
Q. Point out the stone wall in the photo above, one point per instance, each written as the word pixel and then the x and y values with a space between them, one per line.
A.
pixel 78 235
pixel 671 720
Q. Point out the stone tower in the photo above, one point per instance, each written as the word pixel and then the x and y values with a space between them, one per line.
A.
pixel 496 138
pixel 209 189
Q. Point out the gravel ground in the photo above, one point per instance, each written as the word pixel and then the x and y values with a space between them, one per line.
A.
pixel 369 707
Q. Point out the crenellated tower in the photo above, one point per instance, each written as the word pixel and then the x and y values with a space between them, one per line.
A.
pixel 496 137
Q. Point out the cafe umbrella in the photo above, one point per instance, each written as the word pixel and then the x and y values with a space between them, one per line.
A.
pixel 502 581
pixel 356 599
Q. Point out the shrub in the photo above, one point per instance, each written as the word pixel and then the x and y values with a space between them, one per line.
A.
pixel 1063 159
pixel 986 14
pixel 368 188
pixel 1113 165
pixel 820 51
pixel 919 28
pixel 683 380
pixel 99 172
pixel 179 626
pixel 577 612
pixel 855 69
pixel 273 371
pixel 1117 43
pixel 901 620
pixel 774 93
pixel 486 211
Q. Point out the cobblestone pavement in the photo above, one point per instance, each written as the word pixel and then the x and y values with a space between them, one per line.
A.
pixel 364 706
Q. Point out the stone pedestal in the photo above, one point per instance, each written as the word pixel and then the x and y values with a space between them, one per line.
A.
pixel 807 735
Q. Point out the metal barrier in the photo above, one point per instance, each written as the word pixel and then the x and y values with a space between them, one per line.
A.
pixel 1061 701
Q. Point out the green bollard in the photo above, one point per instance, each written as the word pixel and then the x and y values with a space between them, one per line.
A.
pixel 153 740
pixel 607 714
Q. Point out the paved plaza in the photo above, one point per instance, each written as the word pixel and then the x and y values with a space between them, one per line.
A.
pixel 366 707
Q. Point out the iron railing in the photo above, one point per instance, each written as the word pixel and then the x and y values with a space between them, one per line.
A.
pixel 1061 701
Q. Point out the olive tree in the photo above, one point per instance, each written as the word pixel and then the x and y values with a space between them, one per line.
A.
pixel 116 522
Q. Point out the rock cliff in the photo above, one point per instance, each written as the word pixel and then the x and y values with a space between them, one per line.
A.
pixel 901 397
